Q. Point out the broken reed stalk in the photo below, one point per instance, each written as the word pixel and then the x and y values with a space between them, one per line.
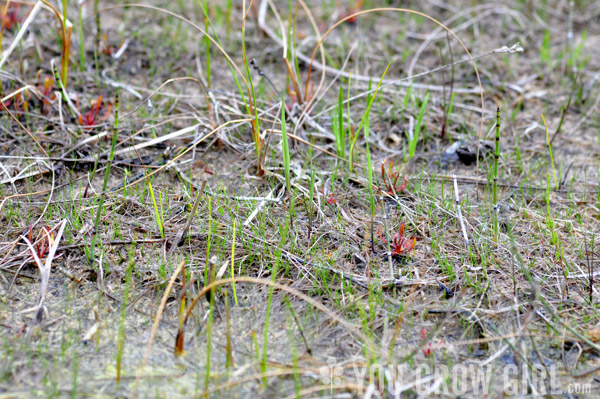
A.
pixel 459 211
pixel 106 176
pixel 495 182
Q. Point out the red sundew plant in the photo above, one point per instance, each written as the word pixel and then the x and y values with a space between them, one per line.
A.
pixel 90 119
pixel 44 240
pixel 390 179
pixel 18 103
pixel 108 48
pixel 329 197
pixel 428 348
pixel 357 7
pixel 400 245
pixel 9 16
pixel 45 87
pixel 331 200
